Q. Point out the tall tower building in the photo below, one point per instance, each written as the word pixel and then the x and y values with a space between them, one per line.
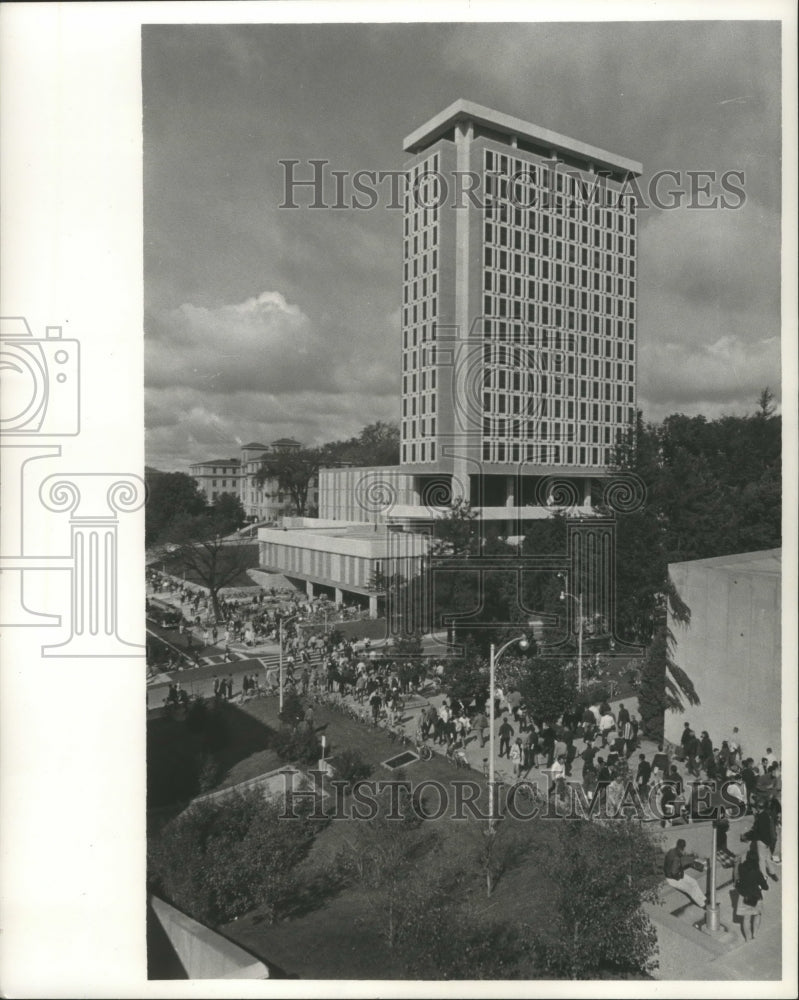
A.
pixel 518 308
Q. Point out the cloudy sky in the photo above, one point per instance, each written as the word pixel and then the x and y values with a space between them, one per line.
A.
pixel 263 321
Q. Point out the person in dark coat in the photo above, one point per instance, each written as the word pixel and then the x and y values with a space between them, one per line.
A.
pixel 763 837
pixel 750 885
pixel 642 776
pixel 705 750
pixel 749 779
pixel 603 779
pixel 691 746
pixel 505 734
pixel 660 760
pixel 722 825
pixel 588 756
pixel 548 743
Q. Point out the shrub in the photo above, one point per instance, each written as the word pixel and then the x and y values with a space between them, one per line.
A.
pixel 351 767
pixel 596 693
pixel 197 716
pixel 218 860
pixel 299 744
pixel 293 709
pixel 210 772
pixel 603 873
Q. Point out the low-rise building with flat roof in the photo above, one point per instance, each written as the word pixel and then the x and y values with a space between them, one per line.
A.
pixel 344 560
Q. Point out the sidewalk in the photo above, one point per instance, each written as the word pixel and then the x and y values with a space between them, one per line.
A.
pixel 687 953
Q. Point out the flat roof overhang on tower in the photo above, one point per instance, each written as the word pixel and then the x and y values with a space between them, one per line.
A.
pixel 506 125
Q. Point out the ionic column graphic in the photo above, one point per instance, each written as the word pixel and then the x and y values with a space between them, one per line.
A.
pixel 94 501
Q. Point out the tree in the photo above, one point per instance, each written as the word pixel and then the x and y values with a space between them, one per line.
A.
pixel 602 874
pixel 170 495
pixel 222 858
pixel 664 684
pixel 481 949
pixel 765 404
pixel 227 514
pixel 294 472
pixel 383 856
pixel 211 560
pixel 546 687
pixel 712 486
pixel 420 896
pixel 377 444
pixel 457 532
pixel 467 678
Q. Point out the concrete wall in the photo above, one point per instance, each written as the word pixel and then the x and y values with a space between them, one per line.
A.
pixel 203 953
pixel 363 494
pixel 732 649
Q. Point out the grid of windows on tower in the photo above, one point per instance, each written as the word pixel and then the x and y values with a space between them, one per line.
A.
pixel 559 282
pixel 558 313
pixel 420 289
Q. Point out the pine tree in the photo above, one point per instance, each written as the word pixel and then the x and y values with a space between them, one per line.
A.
pixel 652 691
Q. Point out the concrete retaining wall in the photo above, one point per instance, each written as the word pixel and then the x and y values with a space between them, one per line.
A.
pixel 203 953
pixel 732 649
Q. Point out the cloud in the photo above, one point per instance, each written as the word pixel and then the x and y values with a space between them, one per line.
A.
pixel 723 259
pixel 709 310
pixel 262 369
pixel 317 356
pixel 263 343
pixel 725 376
pixel 186 425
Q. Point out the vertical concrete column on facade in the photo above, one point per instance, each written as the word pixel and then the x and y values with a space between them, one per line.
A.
pixel 510 491
pixel 339 595
pixel 466 423
pixel 309 589
pixel 372 606
pixel 587 492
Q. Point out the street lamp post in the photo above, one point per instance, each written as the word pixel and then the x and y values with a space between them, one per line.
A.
pixel 495 656
pixel 563 595
pixel 283 621
pixel 711 924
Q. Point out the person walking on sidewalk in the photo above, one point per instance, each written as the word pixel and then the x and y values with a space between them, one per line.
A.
pixel 515 755
pixel 479 725
pixel 763 837
pixel 642 776
pixel 749 886
pixel 674 869
pixel 505 734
